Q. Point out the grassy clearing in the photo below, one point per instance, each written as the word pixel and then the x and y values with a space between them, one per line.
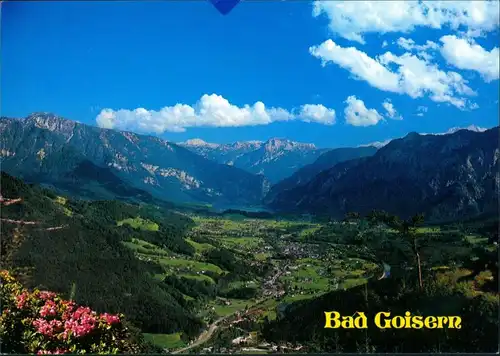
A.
pixel 476 239
pixel 428 230
pixel 262 256
pixel 304 234
pixel 219 224
pixel 145 248
pixel 140 223
pixel 190 265
pixel 199 247
pixel 242 284
pixel 62 201
pixel 246 243
pixel 167 341
pixel 236 304
pixel 353 282
pixel 296 297
pixel 199 277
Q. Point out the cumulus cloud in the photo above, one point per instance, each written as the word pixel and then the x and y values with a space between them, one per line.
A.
pixel 466 54
pixel 422 51
pixel 357 114
pixel 358 63
pixel 352 19
pixel 413 76
pixel 210 111
pixel 410 45
pixel 392 113
pixel 316 113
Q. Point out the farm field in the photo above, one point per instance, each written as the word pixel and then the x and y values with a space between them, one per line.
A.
pixel 301 261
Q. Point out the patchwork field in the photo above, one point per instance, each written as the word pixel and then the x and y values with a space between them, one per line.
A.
pixel 257 267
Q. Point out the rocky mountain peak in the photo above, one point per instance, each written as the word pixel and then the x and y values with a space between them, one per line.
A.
pixel 51 122
pixel 473 128
pixel 198 142
pixel 275 144
pixel 247 144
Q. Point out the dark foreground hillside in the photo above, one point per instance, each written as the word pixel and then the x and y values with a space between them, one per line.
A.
pixel 76 247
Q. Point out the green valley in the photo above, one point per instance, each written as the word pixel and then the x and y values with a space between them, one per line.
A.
pixel 190 280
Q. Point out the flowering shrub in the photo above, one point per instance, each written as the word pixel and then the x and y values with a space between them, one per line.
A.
pixel 42 322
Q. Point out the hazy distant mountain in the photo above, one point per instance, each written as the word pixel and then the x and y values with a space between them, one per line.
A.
pixel 276 158
pixel 221 153
pixel 379 144
pixel 48 149
pixel 445 176
pixel 376 144
pixel 325 161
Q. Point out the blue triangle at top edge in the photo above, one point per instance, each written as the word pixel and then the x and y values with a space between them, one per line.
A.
pixel 224 6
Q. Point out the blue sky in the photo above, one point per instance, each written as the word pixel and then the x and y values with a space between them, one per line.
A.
pixel 194 73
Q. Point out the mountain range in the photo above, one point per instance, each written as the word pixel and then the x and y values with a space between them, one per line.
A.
pixel 325 161
pixel 48 149
pixel 276 158
pixel 446 177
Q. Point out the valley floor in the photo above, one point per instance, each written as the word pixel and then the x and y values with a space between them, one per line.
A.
pixel 227 283
pixel 302 260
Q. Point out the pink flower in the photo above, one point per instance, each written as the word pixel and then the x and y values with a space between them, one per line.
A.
pixel 55 352
pixel 48 309
pixel 110 319
pixel 68 308
pixel 45 295
pixel 82 322
pixel 21 299
pixel 44 327
pixel 47 328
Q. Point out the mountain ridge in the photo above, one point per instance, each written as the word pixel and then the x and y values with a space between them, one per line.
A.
pixel 275 158
pixel 161 168
pixel 445 176
pixel 325 161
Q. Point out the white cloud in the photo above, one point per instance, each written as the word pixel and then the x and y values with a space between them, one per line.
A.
pixel 421 51
pixel 316 113
pixel 210 111
pixel 410 45
pixel 392 113
pixel 413 76
pixel 358 63
pixel 352 19
pixel 466 54
pixel 357 114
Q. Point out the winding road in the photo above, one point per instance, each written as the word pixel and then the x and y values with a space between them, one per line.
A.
pixel 207 334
